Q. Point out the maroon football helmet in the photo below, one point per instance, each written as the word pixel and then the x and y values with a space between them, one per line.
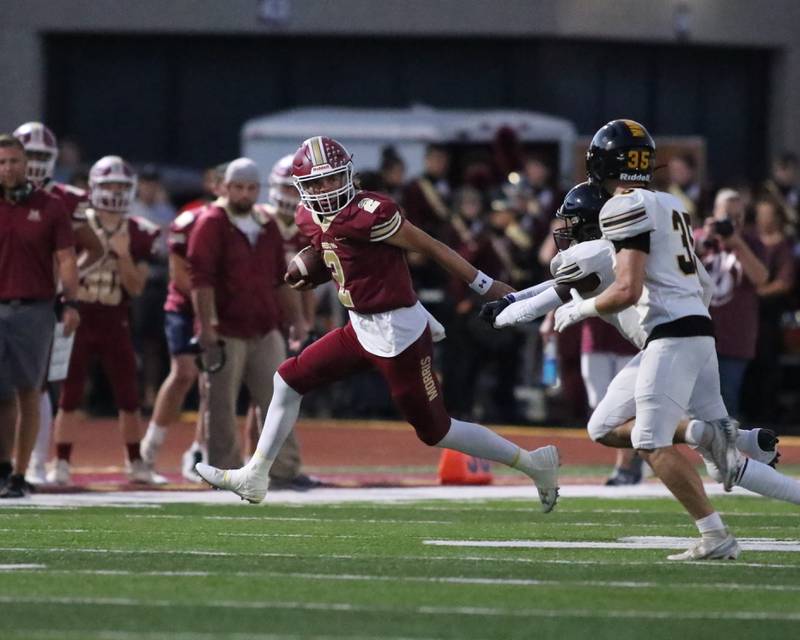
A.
pixel 282 192
pixel 112 169
pixel 37 138
pixel 320 157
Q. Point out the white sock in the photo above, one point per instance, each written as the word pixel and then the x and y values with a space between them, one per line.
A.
pixel 698 433
pixel 710 525
pixel 155 433
pixel 279 422
pixel 763 479
pixel 42 446
pixel 747 442
pixel 476 440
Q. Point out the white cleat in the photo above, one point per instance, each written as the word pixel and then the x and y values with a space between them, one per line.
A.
pixel 140 473
pixel 723 450
pixel 148 448
pixel 37 473
pixel 243 482
pixel 544 464
pixel 722 547
pixel 59 474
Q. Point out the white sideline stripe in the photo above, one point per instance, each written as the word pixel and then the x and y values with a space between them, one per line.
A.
pixel 457 580
pixel 344 495
pixel 267 518
pixel 451 558
pixel 21 567
pixel 642 542
pixel 423 610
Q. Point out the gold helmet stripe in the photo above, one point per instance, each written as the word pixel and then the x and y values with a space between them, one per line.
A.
pixel 317 151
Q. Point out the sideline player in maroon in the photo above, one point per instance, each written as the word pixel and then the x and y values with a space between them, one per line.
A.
pixel 41 149
pixel 105 332
pixel 363 238
pixel 179 329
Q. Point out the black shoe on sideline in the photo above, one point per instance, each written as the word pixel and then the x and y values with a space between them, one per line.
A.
pixel 16 487
pixel 300 482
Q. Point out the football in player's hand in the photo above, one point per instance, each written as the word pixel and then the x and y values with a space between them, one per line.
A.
pixel 307 269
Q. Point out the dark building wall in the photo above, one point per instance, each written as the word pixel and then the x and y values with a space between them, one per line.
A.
pixel 183 99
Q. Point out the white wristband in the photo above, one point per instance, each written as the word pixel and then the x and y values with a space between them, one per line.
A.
pixel 481 284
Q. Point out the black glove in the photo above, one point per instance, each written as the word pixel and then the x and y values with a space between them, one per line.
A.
pixel 491 310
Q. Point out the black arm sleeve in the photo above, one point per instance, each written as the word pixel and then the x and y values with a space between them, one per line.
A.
pixel 639 243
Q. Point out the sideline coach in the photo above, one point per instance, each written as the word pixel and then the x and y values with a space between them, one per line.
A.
pixel 35 229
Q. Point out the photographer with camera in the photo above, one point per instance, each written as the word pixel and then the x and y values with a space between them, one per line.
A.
pixel 733 257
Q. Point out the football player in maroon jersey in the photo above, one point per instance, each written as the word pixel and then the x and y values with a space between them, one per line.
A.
pixel 363 237
pixel 41 149
pixel 104 296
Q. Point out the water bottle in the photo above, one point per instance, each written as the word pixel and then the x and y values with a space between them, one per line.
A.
pixel 550 361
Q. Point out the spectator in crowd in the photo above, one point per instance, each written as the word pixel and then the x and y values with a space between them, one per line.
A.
pixel 211 183
pixel 784 186
pixel 426 201
pixel 35 232
pixel 543 198
pixel 763 378
pixel 237 266
pixel 573 391
pixel 733 258
pixel 152 204
pixel 70 161
pixel 684 184
pixel 105 333
pixel 393 172
pixel 427 198
pixel 473 348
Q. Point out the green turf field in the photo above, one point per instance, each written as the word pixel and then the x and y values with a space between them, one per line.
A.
pixel 365 571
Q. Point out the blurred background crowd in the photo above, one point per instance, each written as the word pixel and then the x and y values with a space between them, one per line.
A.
pixel 173 86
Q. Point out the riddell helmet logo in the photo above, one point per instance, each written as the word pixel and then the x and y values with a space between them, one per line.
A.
pixel 634 177
pixel 321 167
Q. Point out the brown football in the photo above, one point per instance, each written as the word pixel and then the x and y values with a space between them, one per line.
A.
pixel 307 265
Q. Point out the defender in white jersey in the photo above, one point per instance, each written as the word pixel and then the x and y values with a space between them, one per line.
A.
pixel 589 264
pixel 656 274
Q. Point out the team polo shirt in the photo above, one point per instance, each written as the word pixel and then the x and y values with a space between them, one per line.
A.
pixel 243 274
pixel 31 231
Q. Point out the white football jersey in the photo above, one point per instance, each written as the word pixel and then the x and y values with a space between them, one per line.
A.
pixel 580 260
pixel 672 287
pixel 597 257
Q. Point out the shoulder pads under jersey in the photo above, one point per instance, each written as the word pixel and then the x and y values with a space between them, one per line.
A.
pixel 626 216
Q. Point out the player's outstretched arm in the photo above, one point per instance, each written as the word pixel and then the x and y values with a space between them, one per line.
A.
pixel 627 287
pixel 411 238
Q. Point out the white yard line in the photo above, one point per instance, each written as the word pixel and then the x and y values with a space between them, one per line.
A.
pixel 641 542
pixel 345 607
